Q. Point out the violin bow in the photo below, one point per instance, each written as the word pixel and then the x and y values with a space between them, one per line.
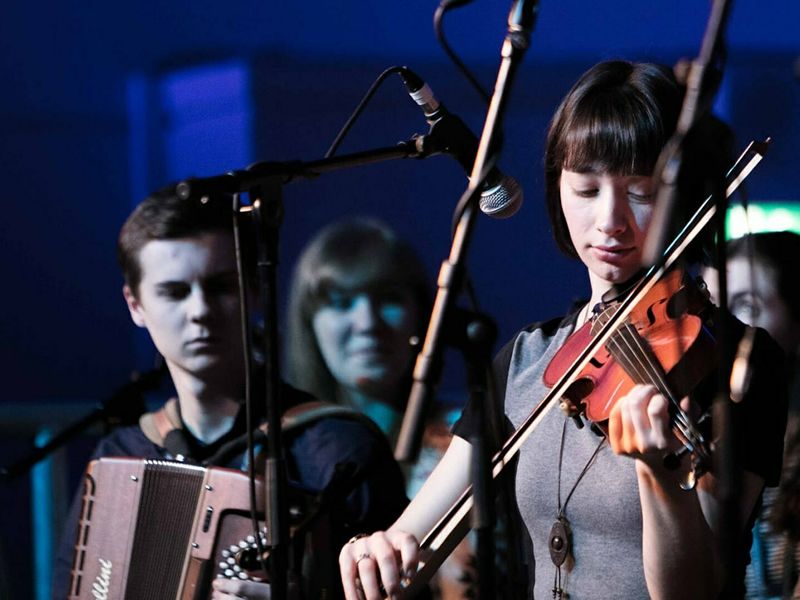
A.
pixel 454 525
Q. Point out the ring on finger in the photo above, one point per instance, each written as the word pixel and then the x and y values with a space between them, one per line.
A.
pixel 357 537
pixel 363 556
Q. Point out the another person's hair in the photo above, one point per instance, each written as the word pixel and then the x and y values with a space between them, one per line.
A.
pixel 616 118
pixel 165 216
pixel 779 251
pixel 364 252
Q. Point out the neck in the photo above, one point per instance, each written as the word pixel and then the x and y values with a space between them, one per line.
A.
pixel 599 288
pixel 208 411
pixel 380 409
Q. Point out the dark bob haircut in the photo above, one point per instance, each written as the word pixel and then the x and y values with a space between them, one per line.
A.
pixel 616 118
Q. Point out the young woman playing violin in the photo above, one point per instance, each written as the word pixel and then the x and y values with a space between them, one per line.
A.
pixel 625 527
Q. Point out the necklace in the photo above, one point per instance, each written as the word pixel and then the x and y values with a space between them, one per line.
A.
pixel 560 540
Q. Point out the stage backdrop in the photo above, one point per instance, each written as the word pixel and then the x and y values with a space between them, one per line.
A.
pixel 103 103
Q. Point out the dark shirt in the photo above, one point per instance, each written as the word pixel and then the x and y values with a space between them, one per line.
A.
pixel 312 454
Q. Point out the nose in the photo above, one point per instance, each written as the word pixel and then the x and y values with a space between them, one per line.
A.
pixel 611 217
pixel 364 313
pixel 198 305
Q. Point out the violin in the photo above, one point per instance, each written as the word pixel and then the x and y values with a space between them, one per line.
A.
pixel 665 341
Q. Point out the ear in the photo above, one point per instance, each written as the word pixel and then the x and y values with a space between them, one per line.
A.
pixel 134 306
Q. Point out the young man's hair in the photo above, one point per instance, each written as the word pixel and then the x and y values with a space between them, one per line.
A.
pixel 165 216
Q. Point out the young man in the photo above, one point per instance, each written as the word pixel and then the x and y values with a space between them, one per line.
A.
pixel 181 284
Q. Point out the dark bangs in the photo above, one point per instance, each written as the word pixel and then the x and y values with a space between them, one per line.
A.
pixel 612 133
pixel 615 119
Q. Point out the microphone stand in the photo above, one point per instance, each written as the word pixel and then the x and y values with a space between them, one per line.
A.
pixel 263 182
pixel 123 407
pixel 266 196
pixel 427 368
pixel 480 336
pixel 702 82
pixel 243 180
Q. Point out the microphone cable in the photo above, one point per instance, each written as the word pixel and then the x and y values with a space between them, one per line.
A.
pixel 360 108
pixel 438 28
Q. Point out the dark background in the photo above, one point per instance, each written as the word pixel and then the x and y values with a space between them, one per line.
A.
pixel 104 102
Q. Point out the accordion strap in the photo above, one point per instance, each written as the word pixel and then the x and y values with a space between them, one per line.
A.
pixel 158 424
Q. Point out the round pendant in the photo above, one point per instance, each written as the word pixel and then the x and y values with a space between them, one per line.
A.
pixel 558 542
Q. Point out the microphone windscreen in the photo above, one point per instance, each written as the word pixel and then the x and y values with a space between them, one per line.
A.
pixel 502 200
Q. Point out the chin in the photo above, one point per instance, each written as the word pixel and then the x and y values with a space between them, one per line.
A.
pixel 377 384
pixel 614 275
pixel 211 367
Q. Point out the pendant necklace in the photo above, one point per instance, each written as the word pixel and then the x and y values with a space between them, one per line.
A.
pixel 560 542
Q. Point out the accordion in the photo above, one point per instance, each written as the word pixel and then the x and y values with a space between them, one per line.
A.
pixel 164 530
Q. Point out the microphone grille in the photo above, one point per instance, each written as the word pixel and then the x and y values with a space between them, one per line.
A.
pixel 502 200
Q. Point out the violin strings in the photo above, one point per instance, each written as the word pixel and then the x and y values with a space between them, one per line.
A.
pixel 643 365
pixel 647 372
pixel 653 370
pixel 690 437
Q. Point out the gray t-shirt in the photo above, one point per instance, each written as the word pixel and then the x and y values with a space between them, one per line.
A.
pixel 604 511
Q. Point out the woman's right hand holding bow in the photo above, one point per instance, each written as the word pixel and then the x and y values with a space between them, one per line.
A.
pixel 374 566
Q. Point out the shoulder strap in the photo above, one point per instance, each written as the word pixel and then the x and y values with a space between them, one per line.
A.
pixel 307 413
pixel 158 424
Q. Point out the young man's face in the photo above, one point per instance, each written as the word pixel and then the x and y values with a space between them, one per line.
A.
pixel 188 301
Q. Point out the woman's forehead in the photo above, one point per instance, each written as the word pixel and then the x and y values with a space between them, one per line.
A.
pixel 359 282
pixel 354 273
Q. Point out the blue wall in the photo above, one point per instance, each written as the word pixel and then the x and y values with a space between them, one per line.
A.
pixel 75 153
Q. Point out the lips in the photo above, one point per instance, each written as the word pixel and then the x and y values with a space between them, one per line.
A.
pixel 373 351
pixel 204 342
pixel 378 350
pixel 612 254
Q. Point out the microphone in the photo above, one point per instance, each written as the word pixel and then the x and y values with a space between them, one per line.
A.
pixel 501 195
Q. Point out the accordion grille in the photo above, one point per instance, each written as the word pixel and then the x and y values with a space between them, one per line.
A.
pixel 166 515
